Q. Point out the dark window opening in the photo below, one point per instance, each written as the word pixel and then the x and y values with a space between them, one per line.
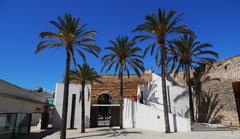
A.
pixel 104 99
pixel 141 98
pixel 73 111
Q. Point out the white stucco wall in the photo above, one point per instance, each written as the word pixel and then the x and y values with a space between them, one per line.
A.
pixel 152 95
pixel 73 89
pixel 179 101
pixel 136 115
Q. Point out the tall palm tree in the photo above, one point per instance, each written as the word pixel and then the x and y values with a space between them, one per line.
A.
pixel 125 56
pixel 191 54
pixel 83 74
pixel 160 28
pixel 73 38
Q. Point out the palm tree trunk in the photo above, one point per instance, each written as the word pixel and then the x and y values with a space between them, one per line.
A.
pixel 121 100
pixel 83 108
pixel 190 94
pixel 164 90
pixel 65 99
pixel 198 101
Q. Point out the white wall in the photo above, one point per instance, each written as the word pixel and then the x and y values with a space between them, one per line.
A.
pixel 179 101
pixel 152 95
pixel 73 89
pixel 136 115
pixel 152 92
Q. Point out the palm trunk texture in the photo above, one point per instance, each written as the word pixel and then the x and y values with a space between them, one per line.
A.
pixel 65 99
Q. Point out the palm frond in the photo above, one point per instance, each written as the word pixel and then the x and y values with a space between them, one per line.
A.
pixel 123 55
pixel 71 35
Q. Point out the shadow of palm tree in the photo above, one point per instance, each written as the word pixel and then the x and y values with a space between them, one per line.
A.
pixel 109 133
pixel 207 104
pixel 208 108
pixel 149 96
pixel 180 96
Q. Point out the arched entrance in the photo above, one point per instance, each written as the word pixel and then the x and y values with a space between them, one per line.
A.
pixel 104 112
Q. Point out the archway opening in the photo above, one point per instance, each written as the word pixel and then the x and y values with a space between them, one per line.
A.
pixel 104 99
pixel 104 110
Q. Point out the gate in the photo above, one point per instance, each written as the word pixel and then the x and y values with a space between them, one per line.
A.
pixel 104 113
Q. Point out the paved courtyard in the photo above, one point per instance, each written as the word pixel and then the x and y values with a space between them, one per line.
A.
pixel 105 133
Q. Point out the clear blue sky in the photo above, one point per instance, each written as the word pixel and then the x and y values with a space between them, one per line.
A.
pixel 214 21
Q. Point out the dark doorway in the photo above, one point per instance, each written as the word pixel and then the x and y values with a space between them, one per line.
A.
pixel 236 89
pixel 73 111
pixel 104 113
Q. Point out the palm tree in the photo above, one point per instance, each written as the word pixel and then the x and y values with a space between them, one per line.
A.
pixel 83 74
pixel 73 38
pixel 125 56
pixel 160 28
pixel 191 54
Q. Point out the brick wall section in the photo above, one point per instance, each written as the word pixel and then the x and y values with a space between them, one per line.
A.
pixel 111 85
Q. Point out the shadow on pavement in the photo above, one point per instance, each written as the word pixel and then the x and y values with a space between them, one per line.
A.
pixel 36 135
pixel 107 133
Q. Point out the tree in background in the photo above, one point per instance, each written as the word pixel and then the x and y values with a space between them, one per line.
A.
pixel 83 74
pixel 124 56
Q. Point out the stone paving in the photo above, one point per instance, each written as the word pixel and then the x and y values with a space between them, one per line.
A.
pixel 106 133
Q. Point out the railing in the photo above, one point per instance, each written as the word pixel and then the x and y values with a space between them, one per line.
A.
pixel 112 101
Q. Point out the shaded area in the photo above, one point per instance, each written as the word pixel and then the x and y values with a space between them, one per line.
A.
pixel 208 108
pixel 208 127
pixel 36 135
pixel 207 104
pixel 149 94
pixel 236 89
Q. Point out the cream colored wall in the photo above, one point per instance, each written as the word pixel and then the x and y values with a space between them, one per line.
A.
pixel 15 105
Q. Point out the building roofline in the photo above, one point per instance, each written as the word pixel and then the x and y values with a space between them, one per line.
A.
pixel 26 94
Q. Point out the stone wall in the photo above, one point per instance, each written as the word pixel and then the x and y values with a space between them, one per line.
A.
pixel 227 71
pixel 110 84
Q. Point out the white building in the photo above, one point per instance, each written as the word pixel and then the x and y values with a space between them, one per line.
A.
pixel 146 112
